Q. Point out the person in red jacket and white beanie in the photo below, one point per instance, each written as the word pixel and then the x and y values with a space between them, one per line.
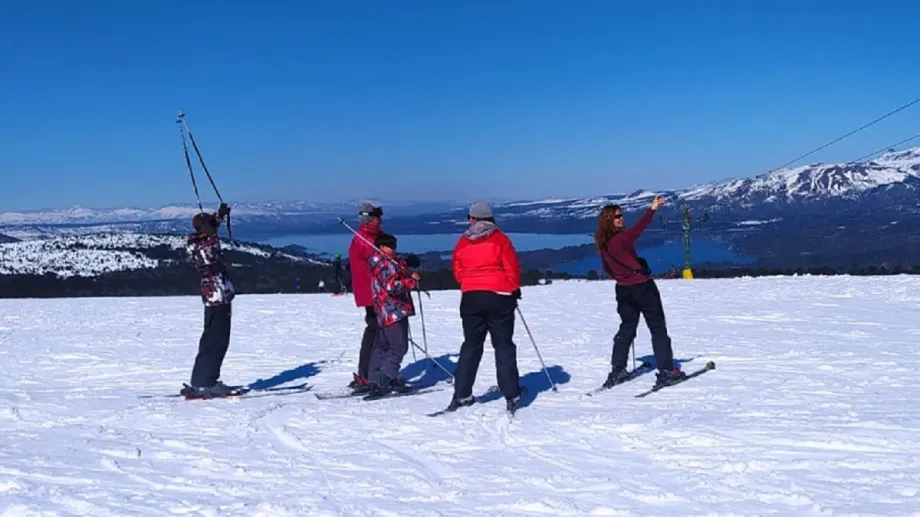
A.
pixel 359 252
pixel 486 266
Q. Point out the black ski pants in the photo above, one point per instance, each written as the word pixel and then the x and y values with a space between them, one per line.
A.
pixel 487 312
pixel 645 300
pixel 367 342
pixel 212 347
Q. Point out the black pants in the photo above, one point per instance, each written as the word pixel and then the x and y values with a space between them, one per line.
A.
pixel 212 347
pixel 482 312
pixel 644 299
pixel 367 342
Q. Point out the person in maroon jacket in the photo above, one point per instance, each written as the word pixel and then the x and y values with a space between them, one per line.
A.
pixel 636 292
pixel 359 252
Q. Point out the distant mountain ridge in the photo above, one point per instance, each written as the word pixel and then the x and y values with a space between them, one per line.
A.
pixel 250 219
pixel 830 210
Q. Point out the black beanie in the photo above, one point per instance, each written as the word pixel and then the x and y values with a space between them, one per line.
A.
pixel 385 239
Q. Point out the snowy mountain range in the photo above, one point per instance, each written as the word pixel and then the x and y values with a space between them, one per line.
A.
pixel 891 181
pixel 788 211
pixel 247 218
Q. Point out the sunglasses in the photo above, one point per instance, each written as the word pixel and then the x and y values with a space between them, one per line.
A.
pixel 617 216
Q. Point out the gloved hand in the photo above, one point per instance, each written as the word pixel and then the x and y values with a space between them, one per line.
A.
pixel 516 294
pixel 223 211
pixel 413 261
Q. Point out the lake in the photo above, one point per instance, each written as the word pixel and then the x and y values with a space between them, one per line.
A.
pixel 660 258
pixel 338 243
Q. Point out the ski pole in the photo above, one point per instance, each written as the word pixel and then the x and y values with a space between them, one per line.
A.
pixel 421 314
pixel 534 342
pixel 634 354
pixel 441 366
pixel 414 359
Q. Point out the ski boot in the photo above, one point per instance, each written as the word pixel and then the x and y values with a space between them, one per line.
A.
pixel 217 390
pixel 669 377
pixel 617 376
pixel 456 403
pixel 513 404
pixel 359 384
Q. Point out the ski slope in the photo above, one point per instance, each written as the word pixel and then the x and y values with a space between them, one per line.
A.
pixel 812 410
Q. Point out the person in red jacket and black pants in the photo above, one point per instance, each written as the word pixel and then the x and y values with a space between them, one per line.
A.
pixel 359 252
pixel 636 292
pixel 486 266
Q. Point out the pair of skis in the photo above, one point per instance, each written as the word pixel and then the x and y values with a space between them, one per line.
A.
pixel 646 367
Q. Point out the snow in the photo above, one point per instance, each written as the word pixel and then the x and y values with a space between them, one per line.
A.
pixel 91 255
pixel 812 410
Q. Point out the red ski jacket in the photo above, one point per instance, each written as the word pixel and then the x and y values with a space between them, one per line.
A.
pixel 358 254
pixel 484 259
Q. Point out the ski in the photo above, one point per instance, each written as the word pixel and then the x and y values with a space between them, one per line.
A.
pixel 239 390
pixel 365 394
pixel 248 394
pixel 710 365
pixel 333 396
pixel 446 410
pixel 640 370
pixel 396 394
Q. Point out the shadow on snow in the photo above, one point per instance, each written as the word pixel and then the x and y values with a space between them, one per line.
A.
pixel 535 382
pixel 301 372
pixel 423 373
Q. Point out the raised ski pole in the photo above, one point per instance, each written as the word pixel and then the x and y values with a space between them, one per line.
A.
pixel 533 341
pixel 188 163
pixel 183 129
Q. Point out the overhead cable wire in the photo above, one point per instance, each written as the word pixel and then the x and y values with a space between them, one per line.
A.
pixel 834 141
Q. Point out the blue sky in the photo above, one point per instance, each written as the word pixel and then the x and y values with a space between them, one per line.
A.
pixel 423 100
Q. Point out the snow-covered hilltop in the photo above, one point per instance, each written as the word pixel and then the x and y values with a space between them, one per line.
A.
pixel 92 255
pixel 816 181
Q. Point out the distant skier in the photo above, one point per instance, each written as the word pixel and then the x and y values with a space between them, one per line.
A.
pixel 217 293
pixel 486 266
pixel 391 284
pixel 337 273
pixel 636 292
pixel 360 250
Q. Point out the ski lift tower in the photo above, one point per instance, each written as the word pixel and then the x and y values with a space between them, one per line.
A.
pixel 687 225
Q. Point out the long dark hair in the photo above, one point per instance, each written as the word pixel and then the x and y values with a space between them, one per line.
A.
pixel 605 227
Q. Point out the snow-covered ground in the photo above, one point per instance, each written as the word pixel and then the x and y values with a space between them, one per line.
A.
pixel 812 410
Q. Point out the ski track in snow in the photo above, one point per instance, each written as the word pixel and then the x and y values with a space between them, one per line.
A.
pixel 811 410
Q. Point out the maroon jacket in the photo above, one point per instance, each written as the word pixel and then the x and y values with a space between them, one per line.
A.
pixel 621 247
pixel 358 254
